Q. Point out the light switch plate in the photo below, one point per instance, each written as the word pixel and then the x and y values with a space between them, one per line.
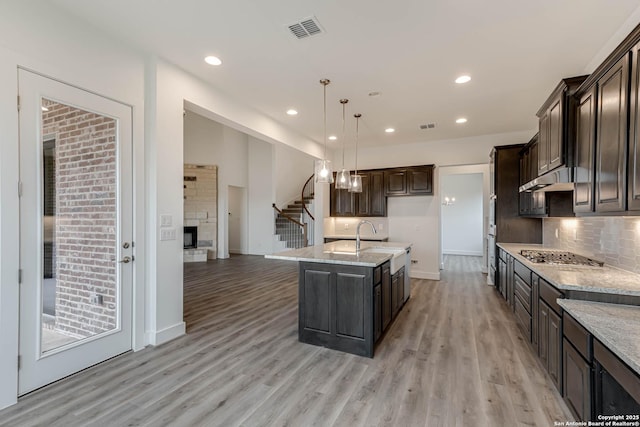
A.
pixel 166 220
pixel 167 234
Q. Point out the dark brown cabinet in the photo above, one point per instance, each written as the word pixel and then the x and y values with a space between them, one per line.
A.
pixel 550 331
pixel 377 312
pixel 420 180
pixel 342 202
pixel 633 201
pixel 584 152
pixel 510 226
pixel 532 203
pixel 371 201
pixel 397 291
pixel 576 368
pixel 395 182
pixel 386 295
pixel 611 138
pixel 409 181
pixel 377 184
pixel 556 126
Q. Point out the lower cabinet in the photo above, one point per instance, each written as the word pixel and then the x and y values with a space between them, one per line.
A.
pixel 397 291
pixel 576 368
pixel 577 382
pixel 386 295
pixel 550 342
pixel 377 312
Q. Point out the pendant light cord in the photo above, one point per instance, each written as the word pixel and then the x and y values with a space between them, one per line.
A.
pixel 357 116
pixel 324 83
pixel 344 103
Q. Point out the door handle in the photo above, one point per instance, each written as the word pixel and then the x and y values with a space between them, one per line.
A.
pixel 126 260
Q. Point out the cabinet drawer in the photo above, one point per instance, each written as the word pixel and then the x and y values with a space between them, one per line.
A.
pixel 523 318
pixel 577 335
pixel 550 294
pixel 523 291
pixel 377 275
pixel 523 272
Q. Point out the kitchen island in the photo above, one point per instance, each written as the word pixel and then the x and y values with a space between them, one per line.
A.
pixel 348 298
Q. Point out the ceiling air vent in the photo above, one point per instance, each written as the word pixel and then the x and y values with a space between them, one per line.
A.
pixel 305 28
pixel 428 126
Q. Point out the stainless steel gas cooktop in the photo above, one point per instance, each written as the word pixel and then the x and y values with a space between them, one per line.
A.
pixel 558 258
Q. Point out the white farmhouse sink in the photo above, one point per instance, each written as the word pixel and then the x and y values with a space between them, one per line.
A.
pixel 398 258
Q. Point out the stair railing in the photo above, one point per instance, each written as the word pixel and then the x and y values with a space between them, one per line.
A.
pixel 308 191
pixel 293 222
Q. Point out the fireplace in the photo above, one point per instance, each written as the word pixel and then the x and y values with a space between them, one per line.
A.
pixel 190 237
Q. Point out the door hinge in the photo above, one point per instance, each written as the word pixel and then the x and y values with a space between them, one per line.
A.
pixel 19 361
pixel 19 188
pixel 18 102
pixel 20 276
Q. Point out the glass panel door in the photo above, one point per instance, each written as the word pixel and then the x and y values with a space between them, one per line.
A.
pixel 76 227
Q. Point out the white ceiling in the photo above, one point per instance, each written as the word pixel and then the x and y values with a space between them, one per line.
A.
pixel 409 50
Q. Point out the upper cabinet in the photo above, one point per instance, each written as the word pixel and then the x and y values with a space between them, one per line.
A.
pixel 555 120
pixel 377 185
pixel 531 203
pixel 634 133
pixel 584 153
pixel 607 175
pixel 611 138
pixel 409 181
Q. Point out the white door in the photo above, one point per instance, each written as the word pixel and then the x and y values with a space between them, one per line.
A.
pixel 76 251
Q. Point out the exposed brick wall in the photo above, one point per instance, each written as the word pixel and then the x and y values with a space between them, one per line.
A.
pixel 85 226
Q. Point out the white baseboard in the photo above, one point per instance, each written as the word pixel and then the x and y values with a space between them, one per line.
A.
pixel 417 274
pixel 166 334
pixel 470 253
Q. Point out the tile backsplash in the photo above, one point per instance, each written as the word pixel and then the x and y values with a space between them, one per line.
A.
pixel 614 240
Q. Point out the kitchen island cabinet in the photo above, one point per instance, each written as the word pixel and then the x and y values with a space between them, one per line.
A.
pixel 348 299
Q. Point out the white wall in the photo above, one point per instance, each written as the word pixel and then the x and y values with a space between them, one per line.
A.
pixel 463 151
pixel 75 54
pixel 415 219
pixel 237 219
pixel 462 221
pixel 261 195
pixel 292 170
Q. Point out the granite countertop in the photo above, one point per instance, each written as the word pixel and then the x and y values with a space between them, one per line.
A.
pixel 616 326
pixel 606 279
pixel 374 237
pixel 342 252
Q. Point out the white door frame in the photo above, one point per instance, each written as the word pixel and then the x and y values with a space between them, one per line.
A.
pixel 39 370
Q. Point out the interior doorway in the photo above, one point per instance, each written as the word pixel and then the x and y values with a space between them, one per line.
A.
pixel 464 211
pixel 237 217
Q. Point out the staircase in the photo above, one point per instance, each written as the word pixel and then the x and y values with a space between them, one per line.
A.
pixel 288 232
pixel 294 224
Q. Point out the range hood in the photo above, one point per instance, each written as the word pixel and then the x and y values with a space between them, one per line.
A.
pixel 560 179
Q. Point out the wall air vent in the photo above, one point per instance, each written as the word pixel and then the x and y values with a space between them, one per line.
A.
pixel 305 28
pixel 428 126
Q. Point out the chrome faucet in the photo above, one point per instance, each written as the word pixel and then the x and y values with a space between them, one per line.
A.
pixel 358 232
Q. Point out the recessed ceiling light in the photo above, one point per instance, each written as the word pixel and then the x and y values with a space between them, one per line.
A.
pixel 463 79
pixel 213 60
pixel 333 137
pixel 389 130
pixel 461 120
pixel 292 112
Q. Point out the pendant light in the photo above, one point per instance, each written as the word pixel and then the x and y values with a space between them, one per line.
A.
pixel 343 178
pixel 356 180
pixel 323 168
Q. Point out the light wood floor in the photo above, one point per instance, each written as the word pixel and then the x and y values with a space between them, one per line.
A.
pixel 453 357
